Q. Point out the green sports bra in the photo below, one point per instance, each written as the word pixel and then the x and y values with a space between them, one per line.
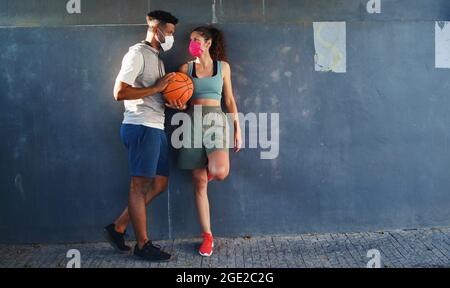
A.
pixel 207 87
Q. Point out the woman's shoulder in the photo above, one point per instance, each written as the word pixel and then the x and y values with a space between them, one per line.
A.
pixel 224 63
pixel 188 63
pixel 184 67
pixel 225 67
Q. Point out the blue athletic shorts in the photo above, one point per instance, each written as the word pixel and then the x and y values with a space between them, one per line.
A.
pixel 148 150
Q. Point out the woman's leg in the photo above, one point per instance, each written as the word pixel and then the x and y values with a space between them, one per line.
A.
pixel 200 181
pixel 219 165
pixel 218 168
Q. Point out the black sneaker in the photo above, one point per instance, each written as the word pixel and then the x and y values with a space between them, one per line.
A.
pixel 116 239
pixel 151 252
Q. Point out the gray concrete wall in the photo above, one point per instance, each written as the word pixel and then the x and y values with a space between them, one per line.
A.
pixel 363 150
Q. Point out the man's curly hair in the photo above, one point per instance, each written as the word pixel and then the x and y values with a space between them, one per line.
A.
pixel 162 16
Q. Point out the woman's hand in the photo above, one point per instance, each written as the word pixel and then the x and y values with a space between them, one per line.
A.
pixel 177 105
pixel 237 139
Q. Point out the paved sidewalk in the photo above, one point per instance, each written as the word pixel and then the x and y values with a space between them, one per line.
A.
pixel 400 248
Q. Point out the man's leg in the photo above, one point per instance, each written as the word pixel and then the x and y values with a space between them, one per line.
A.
pixel 137 209
pixel 146 160
pixel 159 185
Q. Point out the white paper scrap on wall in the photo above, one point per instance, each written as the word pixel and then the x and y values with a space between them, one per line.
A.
pixel 442 35
pixel 330 45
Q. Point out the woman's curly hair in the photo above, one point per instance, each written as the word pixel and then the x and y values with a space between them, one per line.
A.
pixel 218 48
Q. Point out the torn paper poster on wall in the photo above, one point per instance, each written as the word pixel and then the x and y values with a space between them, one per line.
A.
pixel 330 46
pixel 442 39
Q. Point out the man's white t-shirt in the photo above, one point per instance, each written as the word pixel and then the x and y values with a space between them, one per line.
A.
pixel 141 68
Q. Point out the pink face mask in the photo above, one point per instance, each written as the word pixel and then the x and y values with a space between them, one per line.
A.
pixel 195 49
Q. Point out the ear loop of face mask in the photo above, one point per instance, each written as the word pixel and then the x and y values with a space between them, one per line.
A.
pixel 160 32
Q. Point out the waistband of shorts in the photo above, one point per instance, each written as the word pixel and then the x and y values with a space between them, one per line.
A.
pixel 204 109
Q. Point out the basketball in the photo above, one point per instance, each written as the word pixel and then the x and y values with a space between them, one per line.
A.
pixel 181 88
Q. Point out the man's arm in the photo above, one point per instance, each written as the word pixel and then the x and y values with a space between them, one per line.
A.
pixel 124 91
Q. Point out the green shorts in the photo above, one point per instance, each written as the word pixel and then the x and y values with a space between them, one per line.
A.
pixel 211 136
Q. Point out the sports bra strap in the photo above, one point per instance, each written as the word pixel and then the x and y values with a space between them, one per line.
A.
pixel 219 68
pixel 190 68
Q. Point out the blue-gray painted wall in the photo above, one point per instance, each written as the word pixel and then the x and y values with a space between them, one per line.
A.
pixel 364 150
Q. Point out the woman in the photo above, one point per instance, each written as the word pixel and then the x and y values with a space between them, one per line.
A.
pixel 211 75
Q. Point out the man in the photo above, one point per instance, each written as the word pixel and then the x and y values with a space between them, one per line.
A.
pixel 139 84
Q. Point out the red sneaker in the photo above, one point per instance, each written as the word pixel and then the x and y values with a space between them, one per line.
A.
pixel 210 177
pixel 206 248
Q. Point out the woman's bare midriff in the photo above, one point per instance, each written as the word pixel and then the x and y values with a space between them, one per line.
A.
pixel 205 102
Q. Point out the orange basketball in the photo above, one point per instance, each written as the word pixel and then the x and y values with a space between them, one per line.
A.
pixel 181 88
